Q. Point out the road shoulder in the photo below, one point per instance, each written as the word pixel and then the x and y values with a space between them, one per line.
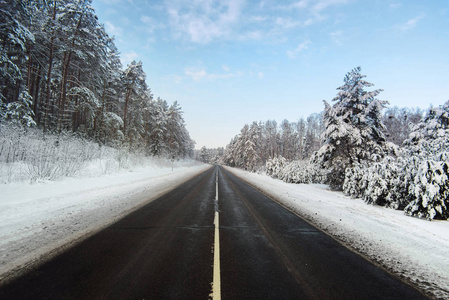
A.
pixel 53 224
pixel 411 249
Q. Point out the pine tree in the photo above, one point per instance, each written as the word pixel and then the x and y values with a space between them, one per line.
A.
pixel 20 111
pixel 158 127
pixel 135 87
pixel 431 134
pixel 14 35
pixel 354 128
pixel 429 141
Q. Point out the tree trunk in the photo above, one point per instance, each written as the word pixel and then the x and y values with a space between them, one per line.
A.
pixel 128 93
pixel 65 72
pixel 49 71
pixel 35 94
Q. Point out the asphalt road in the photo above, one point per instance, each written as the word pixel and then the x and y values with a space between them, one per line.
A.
pixel 165 250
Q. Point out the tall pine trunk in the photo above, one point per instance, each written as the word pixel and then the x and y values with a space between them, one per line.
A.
pixel 49 72
pixel 65 74
pixel 128 93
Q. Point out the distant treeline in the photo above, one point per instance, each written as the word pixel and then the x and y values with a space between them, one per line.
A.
pixel 398 159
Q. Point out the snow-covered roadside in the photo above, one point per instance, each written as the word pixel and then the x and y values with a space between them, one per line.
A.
pixel 414 249
pixel 38 220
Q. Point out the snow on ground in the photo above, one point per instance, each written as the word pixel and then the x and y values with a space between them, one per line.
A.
pixel 39 220
pixel 413 249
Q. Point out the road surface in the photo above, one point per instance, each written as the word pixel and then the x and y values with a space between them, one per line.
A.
pixel 214 236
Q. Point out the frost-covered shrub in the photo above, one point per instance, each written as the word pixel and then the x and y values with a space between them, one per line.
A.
pixel 406 169
pixel 417 184
pixel 380 180
pixel 431 190
pixel 387 182
pixel 30 155
pixel 295 171
pixel 355 181
pixel 275 166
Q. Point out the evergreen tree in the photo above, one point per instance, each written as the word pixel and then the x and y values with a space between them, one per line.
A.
pixel 354 128
pixel 20 111
pixel 430 141
pixel 135 86
pixel 204 154
pixel 60 70
pixel 158 130
pixel 14 36
pixel 431 134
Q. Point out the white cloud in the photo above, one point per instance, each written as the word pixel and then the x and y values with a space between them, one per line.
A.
pixel 287 23
pixel 150 23
pixel 260 75
pixel 113 30
pixel 395 5
pixel 199 74
pixel 111 2
pixel 337 37
pixel 204 20
pixel 252 35
pixel 321 5
pixel 410 24
pixel 128 58
pixel 312 11
pixel 258 19
pixel 196 75
pixel 301 4
pixel 303 46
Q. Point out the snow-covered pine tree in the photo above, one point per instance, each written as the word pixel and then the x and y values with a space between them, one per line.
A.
pixel 251 147
pixel 135 85
pixel 271 137
pixel 429 141
pixel 431 190
pixel 301 131
pixel 20 111
pixel 204 154
pixel 431 135
pixel 112 125
pixel 379 180
pixel 13 39
pixel 356 181
pixel 158 127
pixel 354 128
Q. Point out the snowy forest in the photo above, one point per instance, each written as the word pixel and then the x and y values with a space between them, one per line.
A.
pixel 387 156
pixel 61 73
pixel 62 86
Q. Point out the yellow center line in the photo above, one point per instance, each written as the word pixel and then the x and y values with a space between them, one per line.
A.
pixel 216 284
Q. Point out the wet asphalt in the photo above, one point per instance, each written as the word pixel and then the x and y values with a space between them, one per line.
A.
pixel 164 250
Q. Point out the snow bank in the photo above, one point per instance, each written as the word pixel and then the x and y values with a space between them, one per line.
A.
pixel 39 220
pixel 413 249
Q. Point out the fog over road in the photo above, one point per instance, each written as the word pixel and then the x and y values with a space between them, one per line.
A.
pixel 165 250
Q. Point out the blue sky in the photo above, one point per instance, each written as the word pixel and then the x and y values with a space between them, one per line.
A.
pixel 232 62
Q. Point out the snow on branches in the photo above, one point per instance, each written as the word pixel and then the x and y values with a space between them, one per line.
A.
pixel 417 179
pixel 295 171
pixel 61 71
pixel 431 190
pixel 20 111
pixel 354 128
